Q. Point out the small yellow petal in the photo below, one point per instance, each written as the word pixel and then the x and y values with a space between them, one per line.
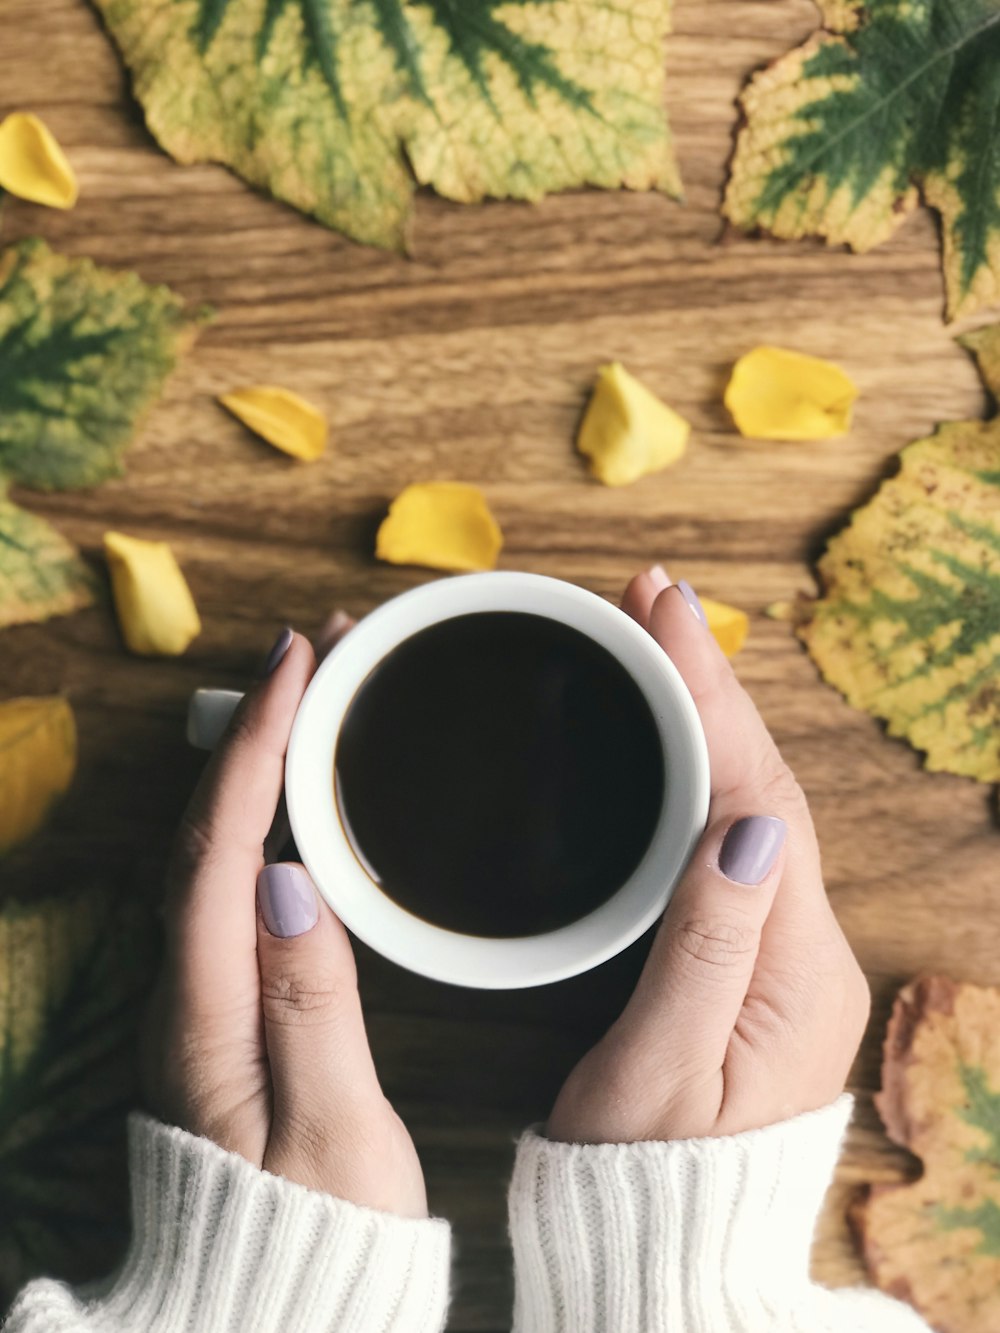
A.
pixel 627 431
pixel 155 608
pixel 280 417
pixel 775 394
pixel 729 625
pixel 37 762
pixel 442 525
pixel 32 165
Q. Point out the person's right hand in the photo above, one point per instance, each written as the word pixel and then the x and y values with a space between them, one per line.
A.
pixel 751 1005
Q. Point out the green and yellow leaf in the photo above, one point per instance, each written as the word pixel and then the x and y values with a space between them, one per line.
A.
pixel 936 1240
pixel 335 106
pixel 73 973
pixel 37 763
pixel 41 574
pixel 83 354
pixel 893 98
pixel 908 625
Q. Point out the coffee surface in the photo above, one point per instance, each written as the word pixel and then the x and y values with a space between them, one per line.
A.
pixel 500 774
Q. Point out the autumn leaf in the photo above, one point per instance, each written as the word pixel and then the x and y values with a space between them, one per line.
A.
pixel 892 98
pixel 339 107
pixel 908 625
pixel 83 353
pixel 936 1241
pixel 37 762
pixel 41 574
pixel 73 972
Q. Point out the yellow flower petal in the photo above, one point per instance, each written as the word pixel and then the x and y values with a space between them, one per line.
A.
pixel 155 608
pixel 729 625
pixel 774 394
pixel 32 165
pixel 440 524
pixel 37 762
pixel 627 431
pixel 280 417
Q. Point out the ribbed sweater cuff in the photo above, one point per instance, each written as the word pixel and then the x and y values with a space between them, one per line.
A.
pixel 220 1247
pixel 703 1235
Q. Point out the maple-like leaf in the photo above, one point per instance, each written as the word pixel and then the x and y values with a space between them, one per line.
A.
pixel 339 106
pixel 73 973
pixel 41 574
pixel 891 98
pixel 936 1242
pixel 83 353
pixel 908 626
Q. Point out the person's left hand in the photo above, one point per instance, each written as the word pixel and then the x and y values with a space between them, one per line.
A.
pixel 256 1037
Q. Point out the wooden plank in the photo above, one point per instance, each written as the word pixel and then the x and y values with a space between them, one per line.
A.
pixel 471 359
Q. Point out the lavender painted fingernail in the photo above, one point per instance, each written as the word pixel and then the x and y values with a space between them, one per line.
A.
pixel 659 576
pixel 287 900
pixel 750 848
pixel 281 646
pixel 691 597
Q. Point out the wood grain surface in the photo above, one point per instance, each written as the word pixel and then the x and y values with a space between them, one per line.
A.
pixel 471 360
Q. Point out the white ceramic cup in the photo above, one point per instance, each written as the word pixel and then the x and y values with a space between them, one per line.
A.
pixel 323 844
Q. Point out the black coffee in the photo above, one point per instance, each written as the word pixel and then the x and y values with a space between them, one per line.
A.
pixel 500 774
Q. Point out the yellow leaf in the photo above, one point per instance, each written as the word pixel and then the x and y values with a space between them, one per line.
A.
pixel 37 761
pixel 774 394
pixel 155 608
pixel 440 524
pixel 280 417
pixel 729 625
pixel 627 431
pixel 32 165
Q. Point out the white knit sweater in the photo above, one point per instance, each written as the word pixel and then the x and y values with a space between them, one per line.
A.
pixel 696 1236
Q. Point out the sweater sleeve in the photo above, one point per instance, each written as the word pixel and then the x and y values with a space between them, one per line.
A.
pixel 694 1236
pixel 220 1247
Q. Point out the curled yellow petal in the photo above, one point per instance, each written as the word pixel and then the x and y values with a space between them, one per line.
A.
pixel 37 762
pixel 729 625
pixel 280 417
pixel 627 431
pixel 32 165
pixel 440 524
pixel 775 394
pixel 156 611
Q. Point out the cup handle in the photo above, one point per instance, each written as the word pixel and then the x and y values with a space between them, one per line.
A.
pixel 208 716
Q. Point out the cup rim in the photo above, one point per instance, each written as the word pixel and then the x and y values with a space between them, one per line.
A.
pixel 494 963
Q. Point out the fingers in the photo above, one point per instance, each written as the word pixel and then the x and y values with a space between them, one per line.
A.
pixel 642 592
pixel 336 626
pixel 703 957
pixel 321 1067
pixel 219 848
pixel 748 775
pixel 334 629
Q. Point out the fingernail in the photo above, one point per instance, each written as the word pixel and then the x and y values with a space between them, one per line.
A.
pixel 336 625
pixel 659 576
pixel 691 597
pixel 287 900
pixel 750 848
pixel 281 646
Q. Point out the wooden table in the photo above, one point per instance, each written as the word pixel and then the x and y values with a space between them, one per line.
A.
pixel 471 360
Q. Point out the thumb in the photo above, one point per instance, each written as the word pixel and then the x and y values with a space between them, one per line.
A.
pixel 702 959
pixel 314 1032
